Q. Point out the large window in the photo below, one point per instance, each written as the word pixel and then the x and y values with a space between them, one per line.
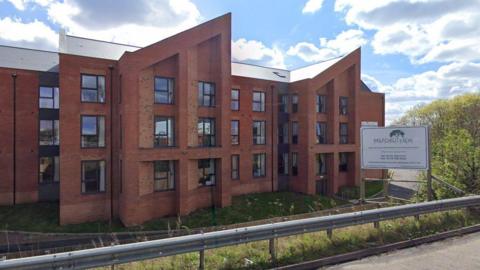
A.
pixel 164 175
pixel 294 163
pixel 294 132
pixel 294 103
pixel 258 132
pixel 234 131
pixel 235 165
pixel 343 105
pixel 321 132
pixel 283 133
pixel 321 164
pixel 93 176
pixel 48 98
pixel 164 131
pixel 206 172
pixel 343 162
pixel 206 132
pixel 49 169
pixel 235 100
pixel 343 133
pixel 283 103
pixel 93 88
pixel 206 94
pixel 283 164
pixel 164 90
pixel 48 134
pixel 258 104
pixel 93 131
pixel 321 103
pixel 259 165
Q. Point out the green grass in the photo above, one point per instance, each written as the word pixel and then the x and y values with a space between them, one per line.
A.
pixel 43 217
pixel 312 246
pixel 353 192
pixel 373 187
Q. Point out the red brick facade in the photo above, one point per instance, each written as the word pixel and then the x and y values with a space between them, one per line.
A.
pixel 201 54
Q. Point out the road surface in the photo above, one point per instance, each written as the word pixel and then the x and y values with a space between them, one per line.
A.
pixel 460 253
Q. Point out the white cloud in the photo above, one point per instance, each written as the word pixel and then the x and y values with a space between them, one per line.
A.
pixel 28 34
pixel 253 50
pixel 344 43
pixel 22 4
pixel 312 6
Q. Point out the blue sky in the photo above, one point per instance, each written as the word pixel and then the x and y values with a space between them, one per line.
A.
pixel 414 51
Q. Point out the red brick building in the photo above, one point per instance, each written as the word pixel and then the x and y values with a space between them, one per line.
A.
pixel 112 130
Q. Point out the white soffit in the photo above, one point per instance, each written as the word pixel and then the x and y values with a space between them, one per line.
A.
pixel 28 59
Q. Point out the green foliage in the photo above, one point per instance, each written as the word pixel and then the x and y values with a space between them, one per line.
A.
pixel 353 192
pixel 455 131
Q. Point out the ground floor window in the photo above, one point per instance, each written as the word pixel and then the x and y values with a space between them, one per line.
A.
pixel 321 164
pixel 235 171
pixel 206 172
pixel 164 175
pixel 343 162
pixel 49 169
pixel 283 164
pixel 93 176
pixel 294 163
pixel 259 165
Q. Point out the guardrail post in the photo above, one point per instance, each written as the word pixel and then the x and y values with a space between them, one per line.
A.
pixel 417 218
pixel 271 248
pixel 376 224
pixel 201 265
pixel 329 233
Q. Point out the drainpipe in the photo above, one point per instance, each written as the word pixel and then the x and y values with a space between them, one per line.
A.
pixel 14 77
pixel 111 141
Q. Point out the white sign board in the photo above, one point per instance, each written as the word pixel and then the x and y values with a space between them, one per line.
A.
pixel 394 148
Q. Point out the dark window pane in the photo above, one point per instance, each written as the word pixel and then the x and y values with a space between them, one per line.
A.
pixel 89 95
pixel 89 81
pixel 47 169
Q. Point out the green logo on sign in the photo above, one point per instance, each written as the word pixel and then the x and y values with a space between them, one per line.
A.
pixel 397 133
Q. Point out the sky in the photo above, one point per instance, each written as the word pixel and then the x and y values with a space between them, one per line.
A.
pixel 414 51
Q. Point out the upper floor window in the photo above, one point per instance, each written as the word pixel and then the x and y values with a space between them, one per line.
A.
pixel 93 131
pixel 93 88
pixel 164 131
pixel 258 101
pixel 283 103
pixel 343 105
pixel 294 163
pixel 49 134
pixel 234 130
pixel 294 132
pixel 164 175
pixel 206 132
pixel 321 132
pixel 48 98
pixel 283 133
pixel 343 133
pixel 259 165
pixel 49 169
pixel 343 162
pixel 283 164
pixel 321 164
pixel 93 176
pixel 321 103
pixel 206 94
pixel 258 132
pixel 235 165
pixel 294 103
pixel 164 90
pixel 206 172
pixel 235 100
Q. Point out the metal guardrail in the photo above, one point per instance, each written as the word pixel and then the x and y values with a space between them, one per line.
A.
pixel 119 254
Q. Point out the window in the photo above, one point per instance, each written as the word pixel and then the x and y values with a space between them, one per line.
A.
pixel 283 164
pixel 93 88
pixel 93 131
pixel 321 131
pixel 321 164
pixel 258 132
pixel 294 132
pixel 235 170
pixel 164 175
pixel 164 90
pixel 48 98
pixel 321 104
pixel 343 105
pixel 343 162
pixel 206 94
pixel 206 132
pixel 164 131
pixel 259 165
pixel 93 176
pixel 234 130
pixel 206 172
pixel 283 103
pixel 343 133
pixel 258 101
pixel 235 100
pixel 283 133
pixel 294 163
pixel 49 169
pixel 48 134
pixel 294 103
